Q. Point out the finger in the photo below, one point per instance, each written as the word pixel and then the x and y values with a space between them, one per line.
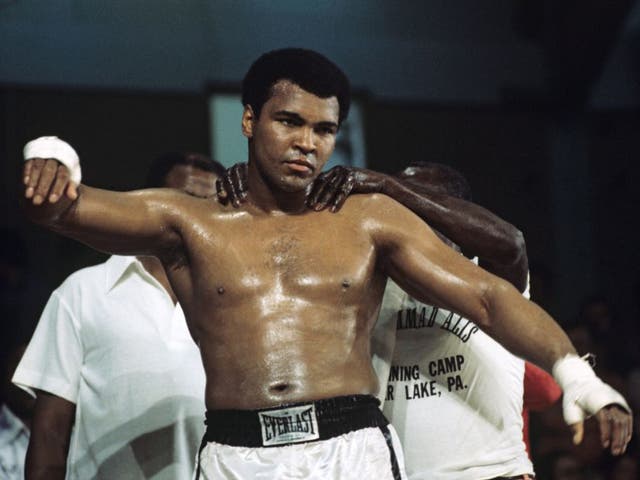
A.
pixel 332 189
pixel 337 202
pixel 328 189
pixel 72 191
pixel 221 193
pixel 60 183
pixel 605 426
pixel 227 186
pixel 578 432
pixel 620 423
pixel 244 177
pixel 316 189
pixel 47 176
pixel 239 183
pixel 231 190
pixel 342 195
pixel 324 195
pixel 26 171
pixel 34 176
pixel 236 184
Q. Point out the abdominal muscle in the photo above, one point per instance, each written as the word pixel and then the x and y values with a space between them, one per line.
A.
pixel 293 355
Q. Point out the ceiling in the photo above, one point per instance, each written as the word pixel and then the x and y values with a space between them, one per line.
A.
pixel 569 53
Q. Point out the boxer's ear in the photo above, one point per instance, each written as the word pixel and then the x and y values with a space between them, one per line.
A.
pixel 248 120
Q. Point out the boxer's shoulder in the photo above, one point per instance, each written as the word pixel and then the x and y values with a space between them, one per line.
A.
pixel 373 207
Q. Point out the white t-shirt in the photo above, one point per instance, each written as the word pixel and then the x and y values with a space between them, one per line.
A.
pixel 453 394
pixel 111 341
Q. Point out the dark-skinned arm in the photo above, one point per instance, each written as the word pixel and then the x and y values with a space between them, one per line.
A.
pixel 142 222
pixel 50 435
pixel 430 272
pixel 499 246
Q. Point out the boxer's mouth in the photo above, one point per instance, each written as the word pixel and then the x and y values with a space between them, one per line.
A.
pixel 300 165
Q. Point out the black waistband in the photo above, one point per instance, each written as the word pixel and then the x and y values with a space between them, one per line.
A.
pixel 334 416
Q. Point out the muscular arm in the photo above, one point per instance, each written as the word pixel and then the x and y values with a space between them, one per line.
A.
pixel 141 222
pixel 49 441
pixel 423 266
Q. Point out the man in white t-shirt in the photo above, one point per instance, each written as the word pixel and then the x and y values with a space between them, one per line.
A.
pixel 118 379
pixel 453 393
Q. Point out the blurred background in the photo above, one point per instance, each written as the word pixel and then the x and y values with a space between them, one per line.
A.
pixel 536 102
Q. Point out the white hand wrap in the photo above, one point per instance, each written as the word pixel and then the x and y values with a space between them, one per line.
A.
pixel 584 392
pixel 53 147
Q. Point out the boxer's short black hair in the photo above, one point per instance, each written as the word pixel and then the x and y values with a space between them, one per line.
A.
pixel 308 69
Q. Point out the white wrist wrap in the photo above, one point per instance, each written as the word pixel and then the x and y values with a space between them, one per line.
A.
pixel 584 392
pixel 53 147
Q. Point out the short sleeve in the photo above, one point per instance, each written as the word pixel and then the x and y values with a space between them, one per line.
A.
pixel 53 359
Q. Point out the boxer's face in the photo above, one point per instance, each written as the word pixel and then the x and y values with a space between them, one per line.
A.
pixel 293 137
pixel 192 180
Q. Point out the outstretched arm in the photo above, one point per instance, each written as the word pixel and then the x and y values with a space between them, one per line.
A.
pixel 431 272
pixel 142 222
pixel 499 246
pixel 424 267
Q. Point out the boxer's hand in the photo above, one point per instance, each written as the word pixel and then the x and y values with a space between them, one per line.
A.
pixel 586 395
pixel 47 179
pixel 52 169
pixel 615 425
pixel 232 186
pixel 332 188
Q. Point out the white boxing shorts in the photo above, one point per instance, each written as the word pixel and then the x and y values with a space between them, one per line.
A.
pixel 341 438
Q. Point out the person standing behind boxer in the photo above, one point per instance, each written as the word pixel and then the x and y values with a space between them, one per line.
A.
pixel 118 380
pixel 461 381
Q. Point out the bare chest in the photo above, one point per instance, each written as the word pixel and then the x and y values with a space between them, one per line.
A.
pixel 303 257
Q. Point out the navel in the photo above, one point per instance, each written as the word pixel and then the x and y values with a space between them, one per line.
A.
pixel 346 284
pixel 220 290
pixel 279 387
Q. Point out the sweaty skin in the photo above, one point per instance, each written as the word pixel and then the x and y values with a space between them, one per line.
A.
pixel 282 299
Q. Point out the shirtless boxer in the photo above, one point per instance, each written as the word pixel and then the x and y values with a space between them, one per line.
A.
pixel 280 314
pixel 482 411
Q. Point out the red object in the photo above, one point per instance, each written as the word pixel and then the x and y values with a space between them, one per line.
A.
pixel 540 392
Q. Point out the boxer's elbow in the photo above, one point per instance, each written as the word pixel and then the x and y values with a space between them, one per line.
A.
pixel 493 298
